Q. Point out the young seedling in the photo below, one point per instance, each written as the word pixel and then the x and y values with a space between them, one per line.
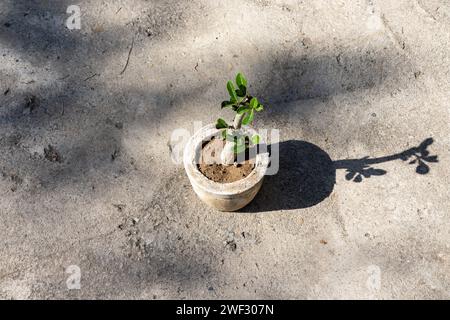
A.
pixel 245 107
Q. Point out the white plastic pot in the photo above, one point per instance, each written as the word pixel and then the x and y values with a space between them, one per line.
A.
pixel 222 196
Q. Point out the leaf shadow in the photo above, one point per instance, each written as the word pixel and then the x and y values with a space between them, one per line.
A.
pixel 307 175
pixel 358 169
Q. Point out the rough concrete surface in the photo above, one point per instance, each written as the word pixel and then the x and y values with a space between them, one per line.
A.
pixel 87 178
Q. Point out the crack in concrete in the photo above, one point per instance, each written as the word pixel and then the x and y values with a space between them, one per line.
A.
pixel 399 43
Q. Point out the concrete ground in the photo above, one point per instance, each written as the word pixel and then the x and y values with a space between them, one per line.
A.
pixel 89 191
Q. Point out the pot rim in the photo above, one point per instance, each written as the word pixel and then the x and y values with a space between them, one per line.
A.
pixel 224 189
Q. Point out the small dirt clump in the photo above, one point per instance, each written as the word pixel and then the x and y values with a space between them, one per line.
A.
pixel 51 154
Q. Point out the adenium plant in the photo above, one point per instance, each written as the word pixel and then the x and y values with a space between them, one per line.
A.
pixel 245 107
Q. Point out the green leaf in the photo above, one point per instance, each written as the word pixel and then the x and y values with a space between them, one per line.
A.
pixel 254 103
pixel 221 124
pixel 243 109
pixel 239 99
pixel 240 80
pixel 231 91
pixel 255 139
pixel 260 107
pixel 248 118
pixel 242 85
pixel 242 91
pixel 224 134
pixel 226 104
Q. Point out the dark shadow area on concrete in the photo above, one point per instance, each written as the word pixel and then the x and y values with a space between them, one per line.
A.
pixel 326 74
pixel 307 174
pixel 357 169
pixel 181 272
pixel 37 30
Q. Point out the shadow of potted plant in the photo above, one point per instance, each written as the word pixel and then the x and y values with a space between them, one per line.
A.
pixel 307 174
pixel 357 169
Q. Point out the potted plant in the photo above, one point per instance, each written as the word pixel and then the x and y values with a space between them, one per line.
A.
pixel 223 162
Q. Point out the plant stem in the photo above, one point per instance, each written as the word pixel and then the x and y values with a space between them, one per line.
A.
pixel 238 121
pixel 227 155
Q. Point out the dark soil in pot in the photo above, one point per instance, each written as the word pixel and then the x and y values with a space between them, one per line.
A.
pixel 211 167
